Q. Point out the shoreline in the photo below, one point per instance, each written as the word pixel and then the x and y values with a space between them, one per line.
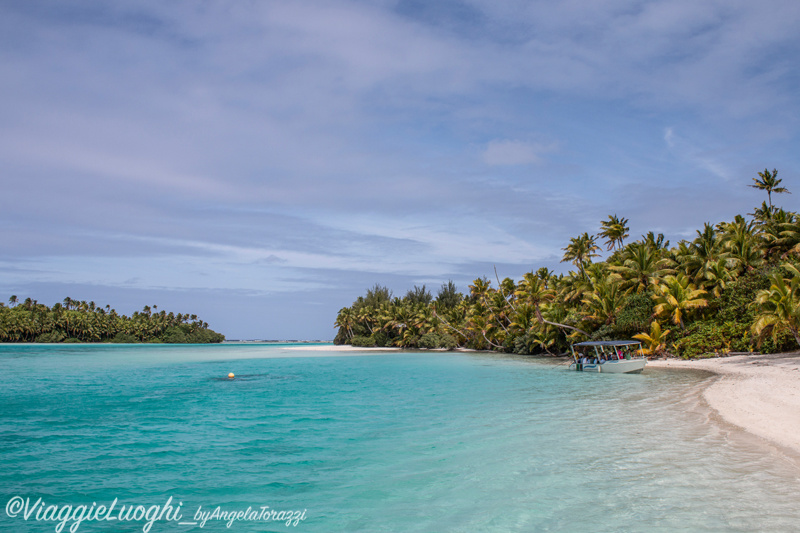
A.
pixel 757 393
pixel 338 348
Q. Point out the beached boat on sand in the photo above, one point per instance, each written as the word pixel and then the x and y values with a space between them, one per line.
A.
pixel 615 357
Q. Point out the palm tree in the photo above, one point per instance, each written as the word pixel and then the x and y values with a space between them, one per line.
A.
pixel 655 340
pixel 479 288
pixel 605 302
pixel 425 320
pixel 641 267
pixel 779 306
pixel 365 317
pixel 580 250
pixel 787 239
pixel 656 242
pixel 477 323
pixel 523 319
pixel 769 182
pixel 675 296
pixel 742 243
pixel 764 214
pixel 717 277
pixel 703 252
pixel 533 291
pixel 615 230
pixel 544 274
pixel 344 320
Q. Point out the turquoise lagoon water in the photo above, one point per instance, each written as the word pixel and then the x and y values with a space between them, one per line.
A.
pixel 381 442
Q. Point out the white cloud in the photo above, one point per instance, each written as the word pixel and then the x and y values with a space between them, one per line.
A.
pixel 669 137
pixel 344 135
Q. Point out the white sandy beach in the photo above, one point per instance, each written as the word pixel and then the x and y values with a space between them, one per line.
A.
pixel 758 393
pixel 334 348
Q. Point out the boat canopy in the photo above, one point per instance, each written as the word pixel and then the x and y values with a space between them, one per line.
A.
pixel 607 343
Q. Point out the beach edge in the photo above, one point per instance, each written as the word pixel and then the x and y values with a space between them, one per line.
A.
pixel 757 393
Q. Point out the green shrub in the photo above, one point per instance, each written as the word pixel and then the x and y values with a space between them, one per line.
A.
pixel 635 315
pixel 735 302
pixel 380 339
pixel 606 332
pixel 447 341
pixel 124 338
pixel 206 336
pixel 710 336
pixel 531 344
pixel 188 334
pixel 783 343
pixel 410 341
pixel 362 341
pixel 523 345
pixel 437 340
pixel 429 341
pixel 174 335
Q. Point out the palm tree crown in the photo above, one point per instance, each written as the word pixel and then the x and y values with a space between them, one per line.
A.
pixel 769 182
pixel 615 231
pixel 675 296
pixel 581 249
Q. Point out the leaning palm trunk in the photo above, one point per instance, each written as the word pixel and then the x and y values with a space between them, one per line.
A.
pixel 447 323
pixel 565 326
pixel 500 288
pixel 490 342
pixel 496 319
pixel 542 320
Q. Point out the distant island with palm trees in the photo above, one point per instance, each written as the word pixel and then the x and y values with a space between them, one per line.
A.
pixel 734 288
pixel 80 321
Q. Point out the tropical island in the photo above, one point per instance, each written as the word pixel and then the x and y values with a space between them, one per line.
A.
pixel 80 321
pixel 734 288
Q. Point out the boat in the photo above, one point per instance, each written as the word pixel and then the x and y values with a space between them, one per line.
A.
pixel 613 357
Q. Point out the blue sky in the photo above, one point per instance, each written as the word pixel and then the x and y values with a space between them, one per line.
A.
pixel 262 163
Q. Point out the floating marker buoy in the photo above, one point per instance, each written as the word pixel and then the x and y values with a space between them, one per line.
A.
pixel 230 375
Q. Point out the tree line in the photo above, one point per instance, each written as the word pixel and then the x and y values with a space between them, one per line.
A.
pixel 735 287
pixel 80 321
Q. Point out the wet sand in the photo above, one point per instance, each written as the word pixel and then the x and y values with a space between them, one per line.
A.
pixel 758 393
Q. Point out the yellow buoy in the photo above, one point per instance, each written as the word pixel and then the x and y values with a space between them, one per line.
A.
pixel 230 375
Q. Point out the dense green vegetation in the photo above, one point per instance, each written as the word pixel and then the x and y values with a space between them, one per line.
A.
pixel 734 287
pixel 75 321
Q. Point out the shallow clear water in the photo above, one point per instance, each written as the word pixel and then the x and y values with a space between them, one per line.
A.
pixel 383 442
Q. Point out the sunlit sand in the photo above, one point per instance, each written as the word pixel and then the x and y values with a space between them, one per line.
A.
pixel 760 394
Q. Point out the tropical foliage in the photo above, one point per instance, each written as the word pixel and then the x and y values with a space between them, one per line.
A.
pixel 655 341
pixel 80 321
pixel 735 286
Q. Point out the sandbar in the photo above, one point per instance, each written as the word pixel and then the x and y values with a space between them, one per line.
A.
pixel 336 348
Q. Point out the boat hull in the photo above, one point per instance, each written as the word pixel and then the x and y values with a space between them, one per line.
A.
pixel 625 366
